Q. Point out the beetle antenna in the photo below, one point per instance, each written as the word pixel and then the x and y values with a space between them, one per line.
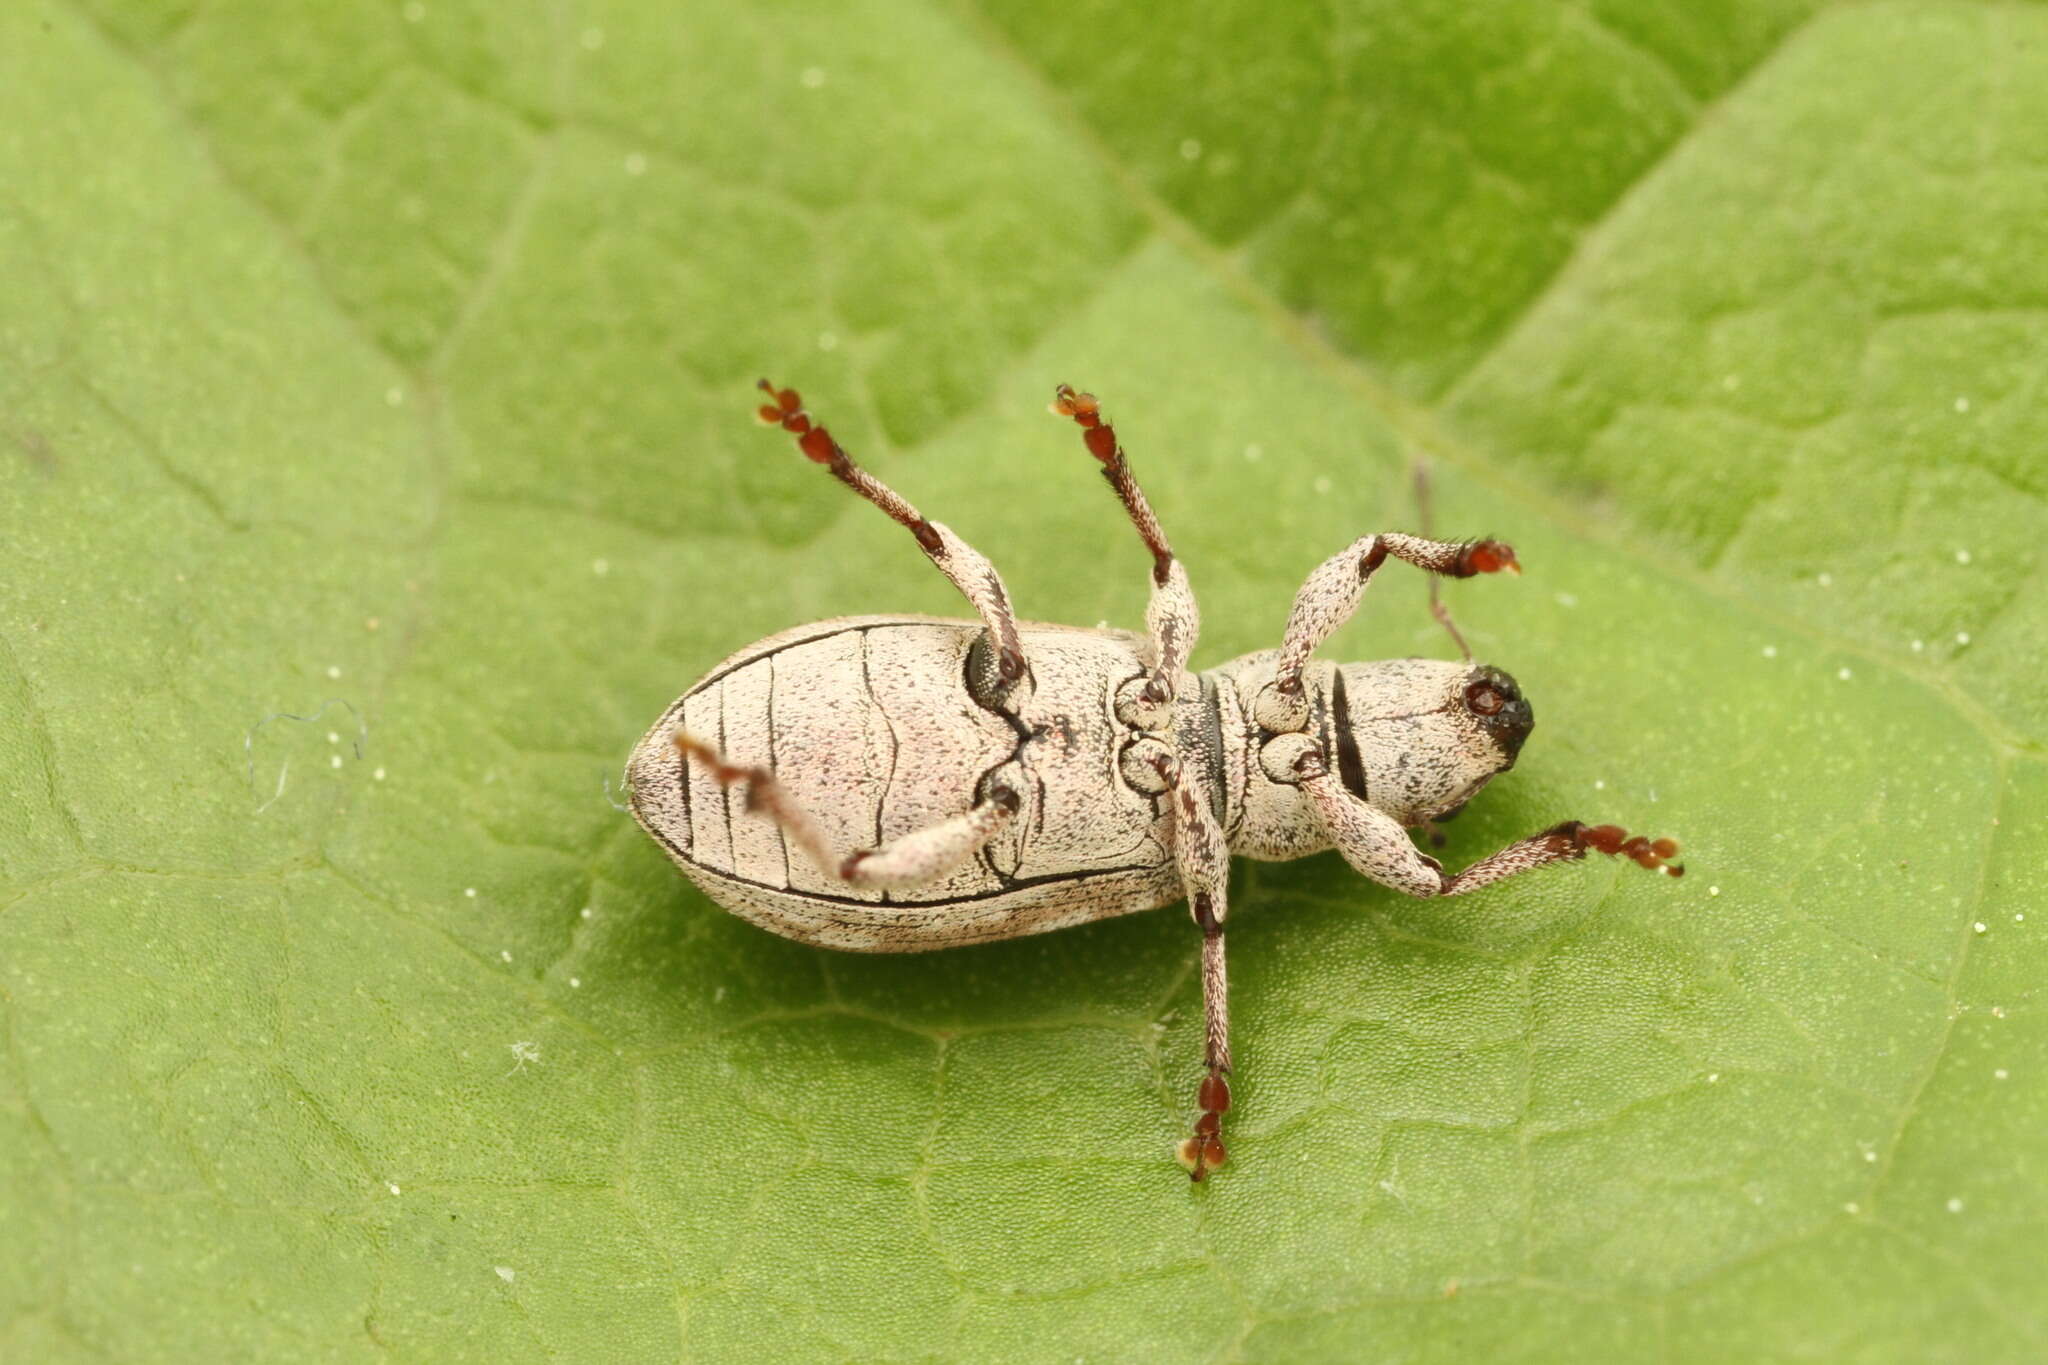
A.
pixel 1437 608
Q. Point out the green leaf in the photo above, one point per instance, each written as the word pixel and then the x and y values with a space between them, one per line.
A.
pixel 375 464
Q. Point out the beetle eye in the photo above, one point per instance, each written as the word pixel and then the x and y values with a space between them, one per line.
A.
pixel 1484 699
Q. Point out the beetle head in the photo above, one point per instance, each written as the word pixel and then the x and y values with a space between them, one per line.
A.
pixel 1422 736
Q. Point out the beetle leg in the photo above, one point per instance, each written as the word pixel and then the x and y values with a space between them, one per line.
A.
pixel 1374 843
pixel 1203 857
pixel 1171 617
pixel 1569 840
pixel 922 855
pixel 1334 589
pixel 967 568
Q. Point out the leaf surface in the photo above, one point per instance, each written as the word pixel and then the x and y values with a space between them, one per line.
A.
pixel 375 464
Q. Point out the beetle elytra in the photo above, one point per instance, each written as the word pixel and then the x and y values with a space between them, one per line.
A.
pixel 906 783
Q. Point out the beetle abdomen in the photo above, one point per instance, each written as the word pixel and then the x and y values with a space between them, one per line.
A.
pixel 855 718
pixel 868 725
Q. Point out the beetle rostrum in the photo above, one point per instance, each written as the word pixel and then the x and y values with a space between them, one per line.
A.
pixel 907 783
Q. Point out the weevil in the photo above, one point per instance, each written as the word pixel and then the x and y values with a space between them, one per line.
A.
pixel 894 784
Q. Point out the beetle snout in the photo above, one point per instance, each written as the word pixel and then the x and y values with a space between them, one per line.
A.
pixel 1501 710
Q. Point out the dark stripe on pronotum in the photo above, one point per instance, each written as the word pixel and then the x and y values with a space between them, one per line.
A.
pixel 1212 743
pixel 1350 766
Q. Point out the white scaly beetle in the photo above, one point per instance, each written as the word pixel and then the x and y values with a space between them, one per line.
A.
pixel 903 783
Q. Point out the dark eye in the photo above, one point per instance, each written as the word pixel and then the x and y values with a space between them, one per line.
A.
pixel 1484 699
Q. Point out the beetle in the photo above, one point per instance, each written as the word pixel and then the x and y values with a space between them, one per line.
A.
pixel 907 783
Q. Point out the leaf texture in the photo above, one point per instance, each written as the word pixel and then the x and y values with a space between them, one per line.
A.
pixel 375 462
